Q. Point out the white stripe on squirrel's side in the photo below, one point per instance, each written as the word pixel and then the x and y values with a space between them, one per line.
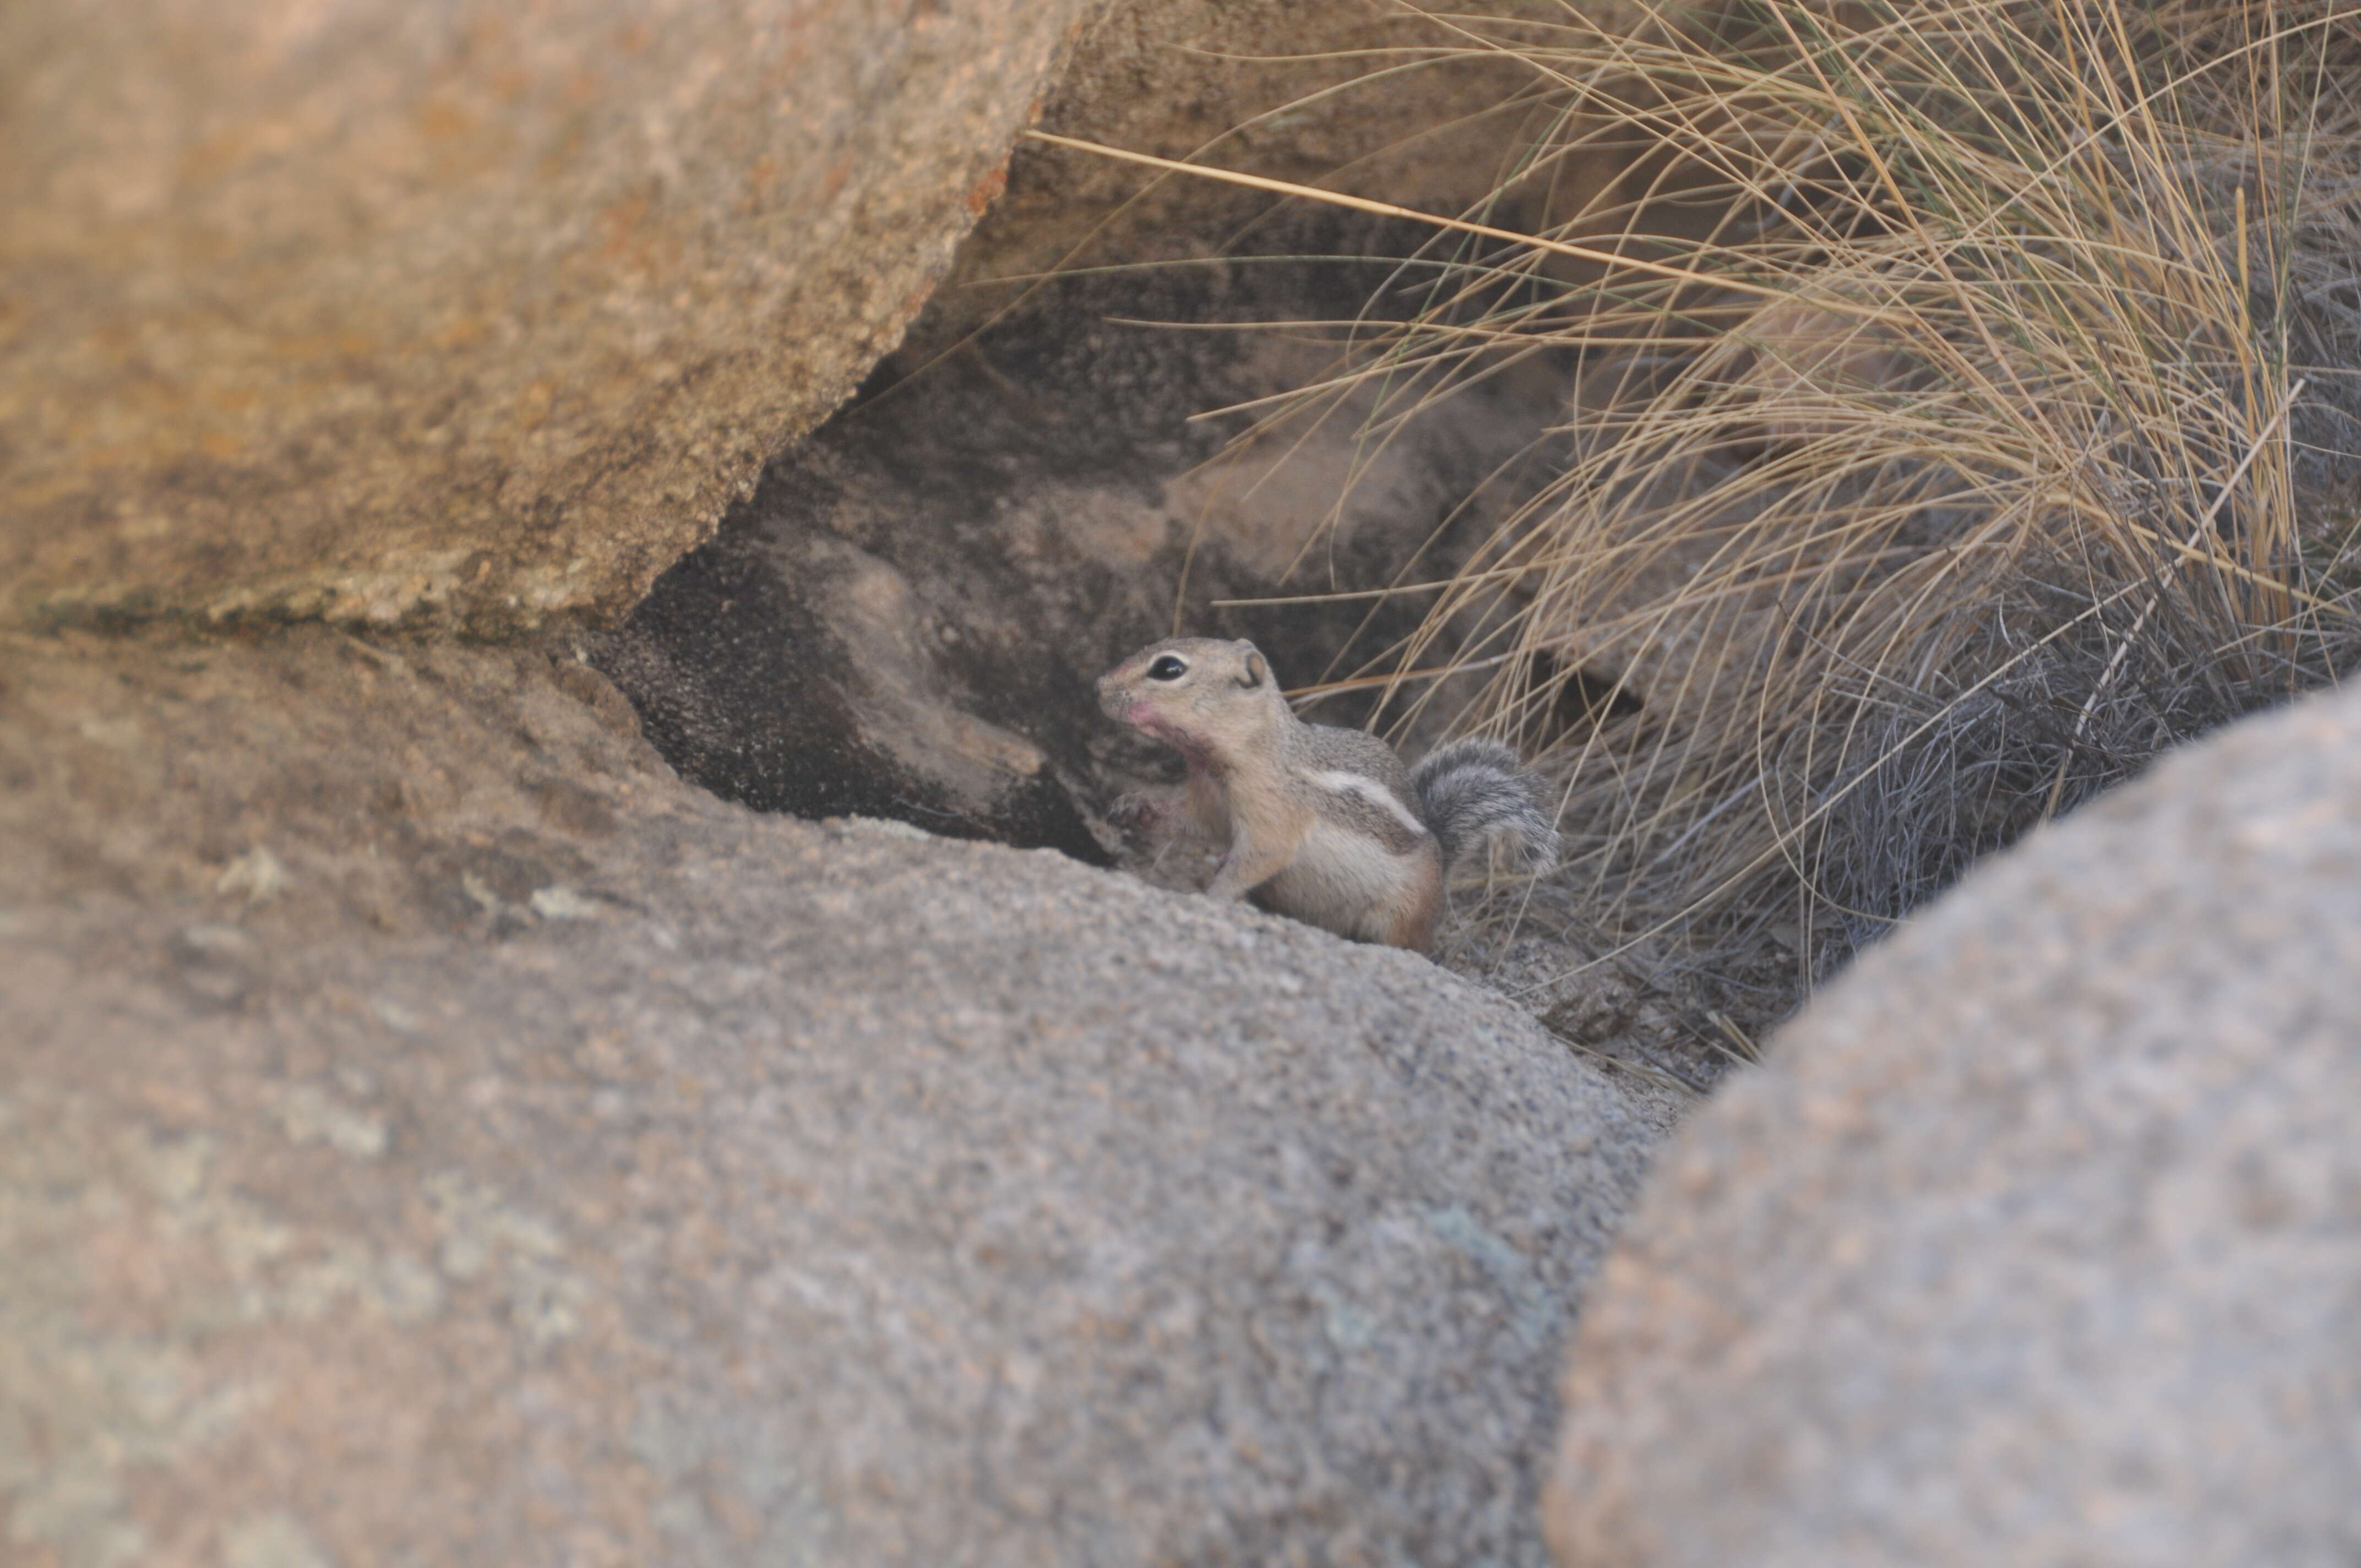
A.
pixel 1371 791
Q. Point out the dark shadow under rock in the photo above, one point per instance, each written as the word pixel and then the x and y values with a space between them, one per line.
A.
pixel 907 618
pixel 800 675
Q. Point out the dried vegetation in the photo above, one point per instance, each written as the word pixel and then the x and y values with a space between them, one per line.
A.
pixel 1966 413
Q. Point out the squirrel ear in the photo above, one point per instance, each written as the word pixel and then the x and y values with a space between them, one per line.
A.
pixel 1256 668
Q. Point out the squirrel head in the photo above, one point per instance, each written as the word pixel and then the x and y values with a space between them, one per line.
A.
pixel 1209 698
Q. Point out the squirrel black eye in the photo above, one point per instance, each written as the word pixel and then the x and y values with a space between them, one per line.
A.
pixel 1171 668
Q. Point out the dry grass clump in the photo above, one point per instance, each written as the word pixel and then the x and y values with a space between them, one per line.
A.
pixel 1967 412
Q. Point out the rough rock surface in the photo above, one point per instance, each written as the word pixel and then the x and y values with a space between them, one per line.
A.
pixel 2039 1239
pixel 1321 95
pixel 429 1132
pixel 463 314
pixel 378 310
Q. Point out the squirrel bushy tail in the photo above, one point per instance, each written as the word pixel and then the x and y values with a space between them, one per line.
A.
pixel 1474 791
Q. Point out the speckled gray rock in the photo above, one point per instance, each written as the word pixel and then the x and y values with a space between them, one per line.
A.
pixel 431 1133
pixel 2039 1241
pixel 382 311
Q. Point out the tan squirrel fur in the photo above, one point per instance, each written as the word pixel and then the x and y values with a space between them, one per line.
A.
pixel 1321 824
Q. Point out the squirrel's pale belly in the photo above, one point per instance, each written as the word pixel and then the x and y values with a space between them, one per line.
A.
pixel 1343 882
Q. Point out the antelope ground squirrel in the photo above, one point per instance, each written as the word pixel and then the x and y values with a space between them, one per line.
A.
pixel 1322 824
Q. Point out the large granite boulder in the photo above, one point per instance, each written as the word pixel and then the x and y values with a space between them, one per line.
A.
pixel 464 311
pixel 477 315
pixel 2039 1241
pixel 431 1133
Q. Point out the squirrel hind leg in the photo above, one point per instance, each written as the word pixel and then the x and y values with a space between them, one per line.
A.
pixel 1410 923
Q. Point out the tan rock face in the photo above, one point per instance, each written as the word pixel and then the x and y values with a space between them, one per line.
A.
pixel 430 1131
pixel 2038 1239
pixel 455 312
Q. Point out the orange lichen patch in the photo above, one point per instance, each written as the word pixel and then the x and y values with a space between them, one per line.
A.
pixel 212 158
pixel 987 189
pixel 241 142
pixel 440 119
pixel 563 153
pixel 533 405
pixel 619 223
pixel 113 340
pixel 760 177
pixel 322 346
pixel 488 39
pixel 833 181
pixel 788 69
pixel 460 332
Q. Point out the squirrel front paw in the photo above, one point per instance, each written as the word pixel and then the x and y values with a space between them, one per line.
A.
pixel 1135 813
